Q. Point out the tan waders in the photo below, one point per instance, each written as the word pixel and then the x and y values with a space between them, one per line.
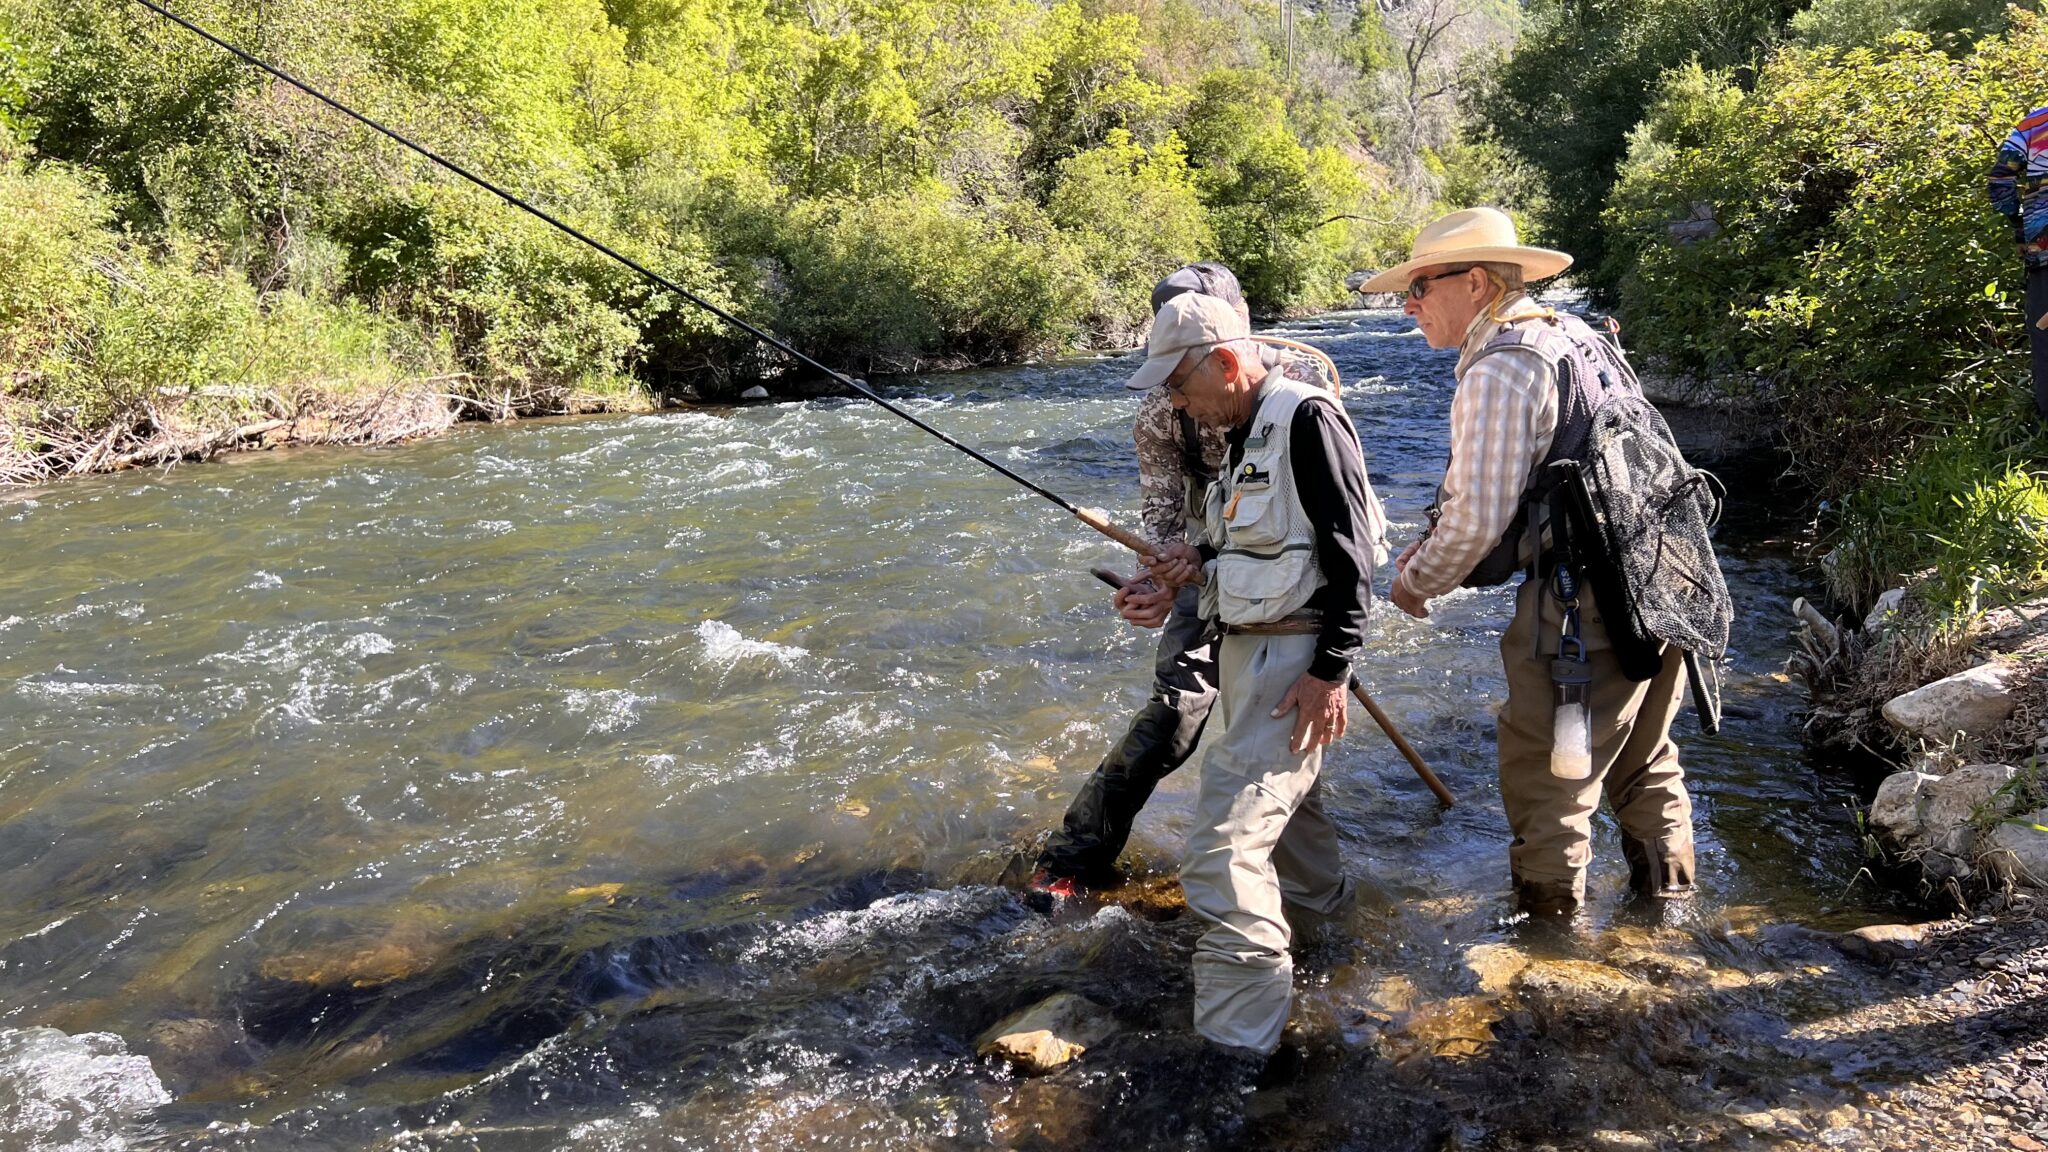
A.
pixel 1634 761
pixel 1260 838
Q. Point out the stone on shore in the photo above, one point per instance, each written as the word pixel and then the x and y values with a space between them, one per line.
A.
pixel 1048 1034
pixel 755 393
pixel 1883 941
pixel 1882 612
pixel 2019 851
pixel 1971 702
pixel 1896 809
pixel 1953 802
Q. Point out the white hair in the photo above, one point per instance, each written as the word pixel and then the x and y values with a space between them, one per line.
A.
pixel 1509 275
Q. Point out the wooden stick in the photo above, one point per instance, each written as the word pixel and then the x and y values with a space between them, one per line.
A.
pixel 1386 723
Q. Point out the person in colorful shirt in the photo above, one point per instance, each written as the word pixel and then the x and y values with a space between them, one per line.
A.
pixel 1177 459
pixel 2018 188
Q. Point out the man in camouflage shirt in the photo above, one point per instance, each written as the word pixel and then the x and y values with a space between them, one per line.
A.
pixel 1176 461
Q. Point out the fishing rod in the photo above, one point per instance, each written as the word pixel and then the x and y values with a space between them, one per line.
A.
pixel 1095 518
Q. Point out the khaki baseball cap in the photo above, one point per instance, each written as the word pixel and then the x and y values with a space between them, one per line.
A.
pixel 1189 321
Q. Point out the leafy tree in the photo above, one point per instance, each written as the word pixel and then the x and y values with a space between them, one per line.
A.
pixel 1580 80
pixel 1134 215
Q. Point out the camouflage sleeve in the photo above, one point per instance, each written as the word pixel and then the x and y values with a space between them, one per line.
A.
pixel 1161 482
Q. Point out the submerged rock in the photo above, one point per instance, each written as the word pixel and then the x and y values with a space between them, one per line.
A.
pixel 1048 1034
pixel 1459 1027
pixel 1493 967
pixel 1883 941
pixel 1971 702
pixel 2019 850
pixel 1578 995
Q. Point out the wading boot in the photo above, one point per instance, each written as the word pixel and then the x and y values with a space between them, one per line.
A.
pixel 1549 901
pixel 1654 875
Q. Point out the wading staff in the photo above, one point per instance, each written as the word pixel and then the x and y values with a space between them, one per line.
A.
pixel 1093 517
pixel 1379 716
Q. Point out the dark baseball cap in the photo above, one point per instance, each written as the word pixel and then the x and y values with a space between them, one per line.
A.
pixel 1207 277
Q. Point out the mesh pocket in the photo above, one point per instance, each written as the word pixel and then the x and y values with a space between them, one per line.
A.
pixel 1658 514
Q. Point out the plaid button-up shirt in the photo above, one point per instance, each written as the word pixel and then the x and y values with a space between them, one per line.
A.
pixel 1502 420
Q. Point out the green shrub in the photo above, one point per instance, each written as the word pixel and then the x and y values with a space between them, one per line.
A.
pixel 1854 272
pixel 1133 216
pixel 1973 507
pixel 1582 78
pixel 1869 23
pixel 917 280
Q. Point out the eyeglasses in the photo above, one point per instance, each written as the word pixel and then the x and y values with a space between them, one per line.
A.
pixel 1179 379
pixel 1419 287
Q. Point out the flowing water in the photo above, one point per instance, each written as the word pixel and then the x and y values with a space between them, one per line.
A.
pixel 644 782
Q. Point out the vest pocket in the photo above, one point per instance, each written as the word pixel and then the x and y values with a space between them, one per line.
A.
pixel 1255 517
pixel 1259 589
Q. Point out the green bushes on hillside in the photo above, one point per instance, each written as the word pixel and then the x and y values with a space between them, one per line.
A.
pixel 890 185
pixel 1855 272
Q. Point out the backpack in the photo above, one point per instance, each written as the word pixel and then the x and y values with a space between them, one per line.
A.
pixel 1638 523
pixel 1615 500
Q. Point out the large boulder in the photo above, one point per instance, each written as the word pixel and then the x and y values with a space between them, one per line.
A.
pixel 1896 810
pixel 1971 702
pixel 2019 849
pixel 1953 802
pixel 1047 1034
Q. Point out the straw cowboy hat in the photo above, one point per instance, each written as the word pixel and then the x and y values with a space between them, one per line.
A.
pixel 1473 236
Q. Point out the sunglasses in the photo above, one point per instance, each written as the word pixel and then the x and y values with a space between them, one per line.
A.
pixel 1180 377
pixel 1419 287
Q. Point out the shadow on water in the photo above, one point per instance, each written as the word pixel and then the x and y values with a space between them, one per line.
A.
pixel 643 782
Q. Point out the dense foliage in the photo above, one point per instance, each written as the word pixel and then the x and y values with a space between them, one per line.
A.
pixel 1581 79
pixel 1854 271
pixel 888 183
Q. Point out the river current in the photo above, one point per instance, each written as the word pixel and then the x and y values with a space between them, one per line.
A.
pixel 646 781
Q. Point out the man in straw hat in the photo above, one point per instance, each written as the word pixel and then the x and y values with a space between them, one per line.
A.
pixel 1513 414
pixel 1286 570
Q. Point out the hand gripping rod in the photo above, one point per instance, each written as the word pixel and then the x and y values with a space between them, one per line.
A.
pixel 1093 517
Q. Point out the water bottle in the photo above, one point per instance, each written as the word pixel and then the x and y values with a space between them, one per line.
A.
pixel 1571 716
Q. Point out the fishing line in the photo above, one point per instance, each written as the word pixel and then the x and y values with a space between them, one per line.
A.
pixel 1094 518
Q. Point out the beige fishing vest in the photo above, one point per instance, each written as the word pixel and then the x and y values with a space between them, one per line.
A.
pixel 1265 566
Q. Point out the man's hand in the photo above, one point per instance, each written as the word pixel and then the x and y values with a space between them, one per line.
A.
pixel 1176 564
pixel 1319 712
pixel 1407 554
pixel 1144 603
pixel 1407 599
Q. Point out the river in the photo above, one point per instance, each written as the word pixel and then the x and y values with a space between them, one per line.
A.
pixel 643 781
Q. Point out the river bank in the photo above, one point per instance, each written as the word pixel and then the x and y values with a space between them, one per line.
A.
pixel 206 424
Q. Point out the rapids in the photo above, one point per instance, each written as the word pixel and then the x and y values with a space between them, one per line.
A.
pixel 644 782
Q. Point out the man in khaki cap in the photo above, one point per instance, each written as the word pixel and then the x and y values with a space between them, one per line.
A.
pixel 1291 525
pixel 1528 380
